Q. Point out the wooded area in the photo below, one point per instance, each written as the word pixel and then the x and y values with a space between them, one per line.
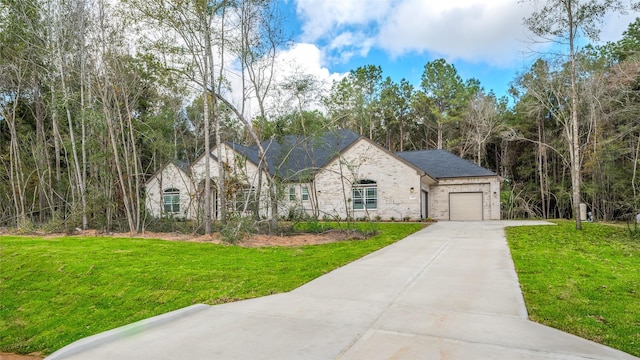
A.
pixel 97 96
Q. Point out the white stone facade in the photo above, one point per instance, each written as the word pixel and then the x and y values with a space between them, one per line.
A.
pixel 397 184
pixel 190 184
pixel 298 199
pixel 489 186
pixel 402 191
pixel 171 177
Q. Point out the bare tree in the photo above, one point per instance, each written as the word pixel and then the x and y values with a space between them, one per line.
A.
pixel 562 22
pixel 545 99
pixel 260 37
pixel 192 23
pixel 481 122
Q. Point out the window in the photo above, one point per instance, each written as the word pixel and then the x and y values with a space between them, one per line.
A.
pixel 364 195
pixel 171 200
pixel 305 193
pixel 246 196
pixel 292 193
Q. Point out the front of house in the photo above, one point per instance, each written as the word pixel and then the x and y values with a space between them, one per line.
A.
pixel 464 190
pixel 368 182
pixel 334 176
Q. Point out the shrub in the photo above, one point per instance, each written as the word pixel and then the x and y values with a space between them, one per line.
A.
pixel 633 227
pixel 313 226
pixel 236 229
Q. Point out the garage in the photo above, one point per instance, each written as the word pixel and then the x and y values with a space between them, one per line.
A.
pixel 465 206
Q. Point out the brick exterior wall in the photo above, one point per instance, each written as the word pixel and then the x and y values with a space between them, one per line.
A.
pixel 364 160
pixel 489 186
pixel 170 177
pixel 240 168
pixel 298 206
pixel 399 187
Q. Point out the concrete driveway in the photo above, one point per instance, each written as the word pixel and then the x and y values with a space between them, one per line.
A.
pixel 449 291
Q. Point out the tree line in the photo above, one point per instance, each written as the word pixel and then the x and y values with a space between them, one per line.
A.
pixel 96 96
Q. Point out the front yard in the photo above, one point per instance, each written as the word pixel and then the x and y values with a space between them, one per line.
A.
pixel 583 282
pixel 54 291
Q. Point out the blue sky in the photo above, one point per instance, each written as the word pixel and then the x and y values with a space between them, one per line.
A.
pixel 483 39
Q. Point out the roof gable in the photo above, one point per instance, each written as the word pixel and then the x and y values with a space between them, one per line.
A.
pixel 443 164
pixel 382 149
pixel 182 166
pixel 250 153
pixel 294 156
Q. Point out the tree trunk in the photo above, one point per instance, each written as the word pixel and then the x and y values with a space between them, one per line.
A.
pixel 574 132
pixel 401 134
pixel 134 169
pixel 636 160
pixel 222 189
pixel 77 175
pixel 207 156
pixel 540 169
pixel 57 148
pixel 16 174
pixel 116 156
pixel 83 132
pixel 40 152
pixel 254 137
pixel 121 179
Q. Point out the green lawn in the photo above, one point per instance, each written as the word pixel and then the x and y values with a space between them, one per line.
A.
pixel 583 282
pixel 56 291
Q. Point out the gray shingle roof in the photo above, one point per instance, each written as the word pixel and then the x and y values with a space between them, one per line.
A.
pixel 182 165
pixel 250 153
pixel 294 157
pixel 443 164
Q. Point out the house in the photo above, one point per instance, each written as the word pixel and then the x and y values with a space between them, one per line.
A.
pixel 169 190
pixel 464 190
pixel 339 174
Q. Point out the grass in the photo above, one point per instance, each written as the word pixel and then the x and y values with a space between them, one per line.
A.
pixel 583 282
pixel 56 291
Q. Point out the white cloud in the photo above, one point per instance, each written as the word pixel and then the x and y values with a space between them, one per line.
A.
pixel 471 30
pixel 321 18
pixel 347 44
pixel 300 60
pixel 303 58
pixel 475 31
pixel 614 25
pixel 481 34
pixel 345 39
pixel 345 27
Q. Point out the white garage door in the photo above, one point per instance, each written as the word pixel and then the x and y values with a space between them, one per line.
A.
pixel 465 206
